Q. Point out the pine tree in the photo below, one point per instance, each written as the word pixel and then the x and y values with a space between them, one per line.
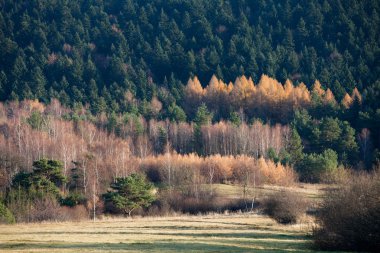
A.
pixel 38 84
pixel 130 193
pixel 176 113
pixel 295 148
pixel 3 85
pixel 348 147
pixel 203 116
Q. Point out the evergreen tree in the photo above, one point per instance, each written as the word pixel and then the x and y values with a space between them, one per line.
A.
pixel 176 113
pixel 38 84
pixel 348 147
pixel 203 117
pixel 295 148
pixel 46 177
pixel 129 193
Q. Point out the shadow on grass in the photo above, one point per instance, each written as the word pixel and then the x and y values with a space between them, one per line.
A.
pixel 247 235
pixel 183 238
pixel 193 242
pixel 194 234
pixel 166 246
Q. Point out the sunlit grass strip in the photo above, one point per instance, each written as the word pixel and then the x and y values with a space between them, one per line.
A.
pixel 213 233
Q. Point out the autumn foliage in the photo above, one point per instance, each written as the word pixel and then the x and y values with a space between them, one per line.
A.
pixel 268 99
pixel 30 131
pixel 176 170
pixel 178 155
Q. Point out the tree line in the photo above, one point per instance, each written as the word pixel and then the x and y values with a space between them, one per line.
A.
pixel 269 99
pixel 85 154
pixel 52 157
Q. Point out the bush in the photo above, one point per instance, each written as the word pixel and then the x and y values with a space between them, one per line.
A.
pixel 45 208
pixel 73 199
pixel 314 166
pixel 19 203
pixel 339 176
pixel 204 206
pixel 178 202
pixel 76 213
pixel 5 215
pixel 159 207
pixel 183 202
pixel 32 206
pixel 349 217
pixel 285 207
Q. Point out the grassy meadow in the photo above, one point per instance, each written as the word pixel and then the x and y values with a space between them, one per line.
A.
pixel 309 191
pixel 209 233
pixel 212 233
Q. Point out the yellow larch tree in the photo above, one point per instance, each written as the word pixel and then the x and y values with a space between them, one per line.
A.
pixel 288 88
pixel 271 89
pixel 194 87
pixel 329 97
pixel 216 86
pixel 248 87
pixel 242 92
pixel 304 94
pixel 216 94
pixel 347 101
pixel 237 94
pixel 212 89
pixel 317 89
pixel 356 96
pixel 230 87
pixel 194 94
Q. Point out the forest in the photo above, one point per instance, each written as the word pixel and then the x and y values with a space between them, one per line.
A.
pixel 89 152
pixel 103 98
pixel 92 52
pixel 136 57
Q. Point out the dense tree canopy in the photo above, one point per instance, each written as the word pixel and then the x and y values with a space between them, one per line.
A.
pixel 95 51
pixel 294 81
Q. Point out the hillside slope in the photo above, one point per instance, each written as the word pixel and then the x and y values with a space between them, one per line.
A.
pixel 94 51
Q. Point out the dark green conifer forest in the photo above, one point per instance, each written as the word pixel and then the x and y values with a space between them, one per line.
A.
pixel 94 51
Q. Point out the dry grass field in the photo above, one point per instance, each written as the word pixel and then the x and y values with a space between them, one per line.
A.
pixel 310 191
pixel 210 233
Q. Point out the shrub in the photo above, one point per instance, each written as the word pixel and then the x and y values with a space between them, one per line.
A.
pixel 177 201
pixel 76 213
pixel 45 208
pixel 73 199
pixel 203 206
pixel 31 205
pixel 182 202
pixel 285 207
pixel 339 176
pixel 5 215
pixel 18 202
pixel 314 166
pixel 159 207
pixel 349 217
